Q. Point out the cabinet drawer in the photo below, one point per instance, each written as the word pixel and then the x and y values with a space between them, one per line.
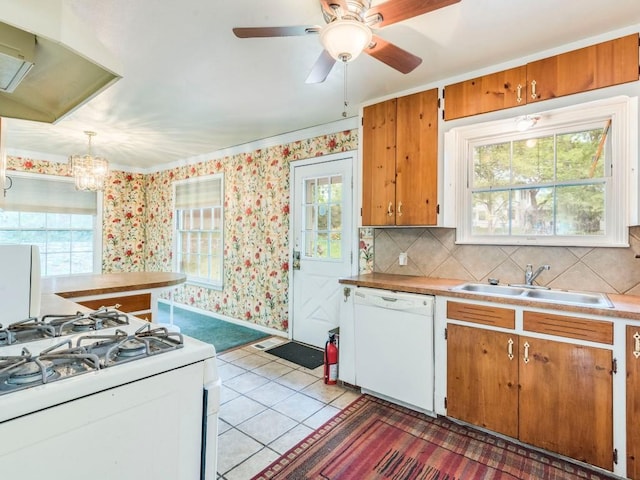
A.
pixel 128 303
pixel 495 316
pixel 569 327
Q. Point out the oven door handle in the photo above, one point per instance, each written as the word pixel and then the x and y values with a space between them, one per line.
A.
pixel 209 446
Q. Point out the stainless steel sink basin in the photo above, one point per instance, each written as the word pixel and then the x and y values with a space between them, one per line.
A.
pixel 581 299
pixel 489 289
pixel 573 298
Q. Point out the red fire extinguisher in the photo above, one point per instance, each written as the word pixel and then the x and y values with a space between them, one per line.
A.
pixel 331 361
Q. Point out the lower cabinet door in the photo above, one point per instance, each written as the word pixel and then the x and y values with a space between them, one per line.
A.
pixel 566 399
pixel 482 378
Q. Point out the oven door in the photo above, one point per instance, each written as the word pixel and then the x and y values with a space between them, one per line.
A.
pixel 145 430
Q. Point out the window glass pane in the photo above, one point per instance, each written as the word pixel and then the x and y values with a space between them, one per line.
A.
pixel 336 189
pixel 533 212
pixel 58 220
pixel 491 165
pixel 58 263
pixel 581 210
pixel 207 219
pixel 82 262
pixel 82 222
pixel 33 220
pixel 533 161
pixel 81 241
pixel 577 155
pixel 490 213
pixel 59 241
pixel 9 219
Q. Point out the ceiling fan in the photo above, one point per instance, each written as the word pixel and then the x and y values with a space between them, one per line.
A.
pixel 349 32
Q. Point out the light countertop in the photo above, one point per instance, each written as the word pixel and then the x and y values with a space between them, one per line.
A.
pixel 625 306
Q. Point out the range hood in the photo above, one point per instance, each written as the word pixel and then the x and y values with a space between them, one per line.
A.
pixel 50 64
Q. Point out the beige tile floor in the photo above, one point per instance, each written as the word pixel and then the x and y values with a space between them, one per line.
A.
pixel 267 406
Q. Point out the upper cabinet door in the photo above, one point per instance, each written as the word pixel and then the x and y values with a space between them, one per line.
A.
pixel 598 66
pixel 417 159
pixel 379 163
pixel 486 94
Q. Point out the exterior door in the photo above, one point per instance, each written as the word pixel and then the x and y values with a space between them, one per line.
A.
pixel 322 233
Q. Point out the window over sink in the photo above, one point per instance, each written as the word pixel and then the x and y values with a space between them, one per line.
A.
pixel 569 179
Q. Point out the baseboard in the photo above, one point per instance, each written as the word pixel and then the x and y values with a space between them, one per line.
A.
pixel 244 323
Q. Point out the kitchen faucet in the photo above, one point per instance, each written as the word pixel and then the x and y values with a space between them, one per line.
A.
pixel 530 275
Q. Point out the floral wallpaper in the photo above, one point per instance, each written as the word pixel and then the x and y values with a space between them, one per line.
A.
pixel 138 225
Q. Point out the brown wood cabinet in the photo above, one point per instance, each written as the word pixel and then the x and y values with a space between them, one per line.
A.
pixel 547 393
pixel 602 65
pixel 633 401
pixel 482 381
pixel 400 161
pixel 566 399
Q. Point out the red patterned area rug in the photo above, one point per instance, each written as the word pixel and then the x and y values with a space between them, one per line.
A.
pixel 374 440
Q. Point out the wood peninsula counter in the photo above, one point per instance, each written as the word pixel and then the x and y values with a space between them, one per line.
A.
pixel 135 292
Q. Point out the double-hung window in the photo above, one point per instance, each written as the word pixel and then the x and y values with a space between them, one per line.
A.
pixel 64 223
pixel 566 181
pixel 199 215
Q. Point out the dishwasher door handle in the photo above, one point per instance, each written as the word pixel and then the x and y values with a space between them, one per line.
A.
pixel 389 299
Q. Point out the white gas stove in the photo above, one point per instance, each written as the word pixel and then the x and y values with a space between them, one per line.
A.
pixel 109 394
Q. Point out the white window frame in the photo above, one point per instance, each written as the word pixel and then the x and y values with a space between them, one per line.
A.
pixel 621 202
pixel 176 257
pixel 97 221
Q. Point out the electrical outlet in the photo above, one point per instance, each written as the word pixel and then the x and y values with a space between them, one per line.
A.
pixel 402 259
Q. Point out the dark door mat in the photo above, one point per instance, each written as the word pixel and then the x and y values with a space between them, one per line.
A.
pixel 300 354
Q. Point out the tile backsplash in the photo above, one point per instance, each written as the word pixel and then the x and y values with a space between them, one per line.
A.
pixel 432 252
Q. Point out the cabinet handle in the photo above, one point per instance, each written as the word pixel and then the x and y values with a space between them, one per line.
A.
pixel 389 211
pixel 510 349
pixel 534 95
pixel 636 348
pixel 400 209
pixel 526 352
pixel 519 93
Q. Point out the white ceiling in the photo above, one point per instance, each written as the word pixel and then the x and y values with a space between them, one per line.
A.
pixel 190 87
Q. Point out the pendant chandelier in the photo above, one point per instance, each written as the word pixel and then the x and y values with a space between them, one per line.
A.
pixel 88 171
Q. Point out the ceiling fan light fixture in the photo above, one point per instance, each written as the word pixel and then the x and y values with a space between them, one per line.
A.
pixel 526 122
pixel 345 39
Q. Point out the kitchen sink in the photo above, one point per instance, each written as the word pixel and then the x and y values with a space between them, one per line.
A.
pixel 573 298
pixel 489 289
pixel 581 299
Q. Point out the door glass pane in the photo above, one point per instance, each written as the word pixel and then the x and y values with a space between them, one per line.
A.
pixel 322 217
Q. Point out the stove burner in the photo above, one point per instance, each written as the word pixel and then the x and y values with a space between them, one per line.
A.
pixel 83 325
pixel 31 372
pixel 131 348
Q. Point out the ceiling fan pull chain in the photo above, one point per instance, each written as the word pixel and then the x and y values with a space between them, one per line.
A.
pixel 346 103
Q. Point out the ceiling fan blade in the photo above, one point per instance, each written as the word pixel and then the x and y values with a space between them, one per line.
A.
pixel 392 55
pixel 394 11
pixel 257 32
pixel 321 68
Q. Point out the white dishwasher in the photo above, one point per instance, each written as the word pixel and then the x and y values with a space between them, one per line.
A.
pixel 394 356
